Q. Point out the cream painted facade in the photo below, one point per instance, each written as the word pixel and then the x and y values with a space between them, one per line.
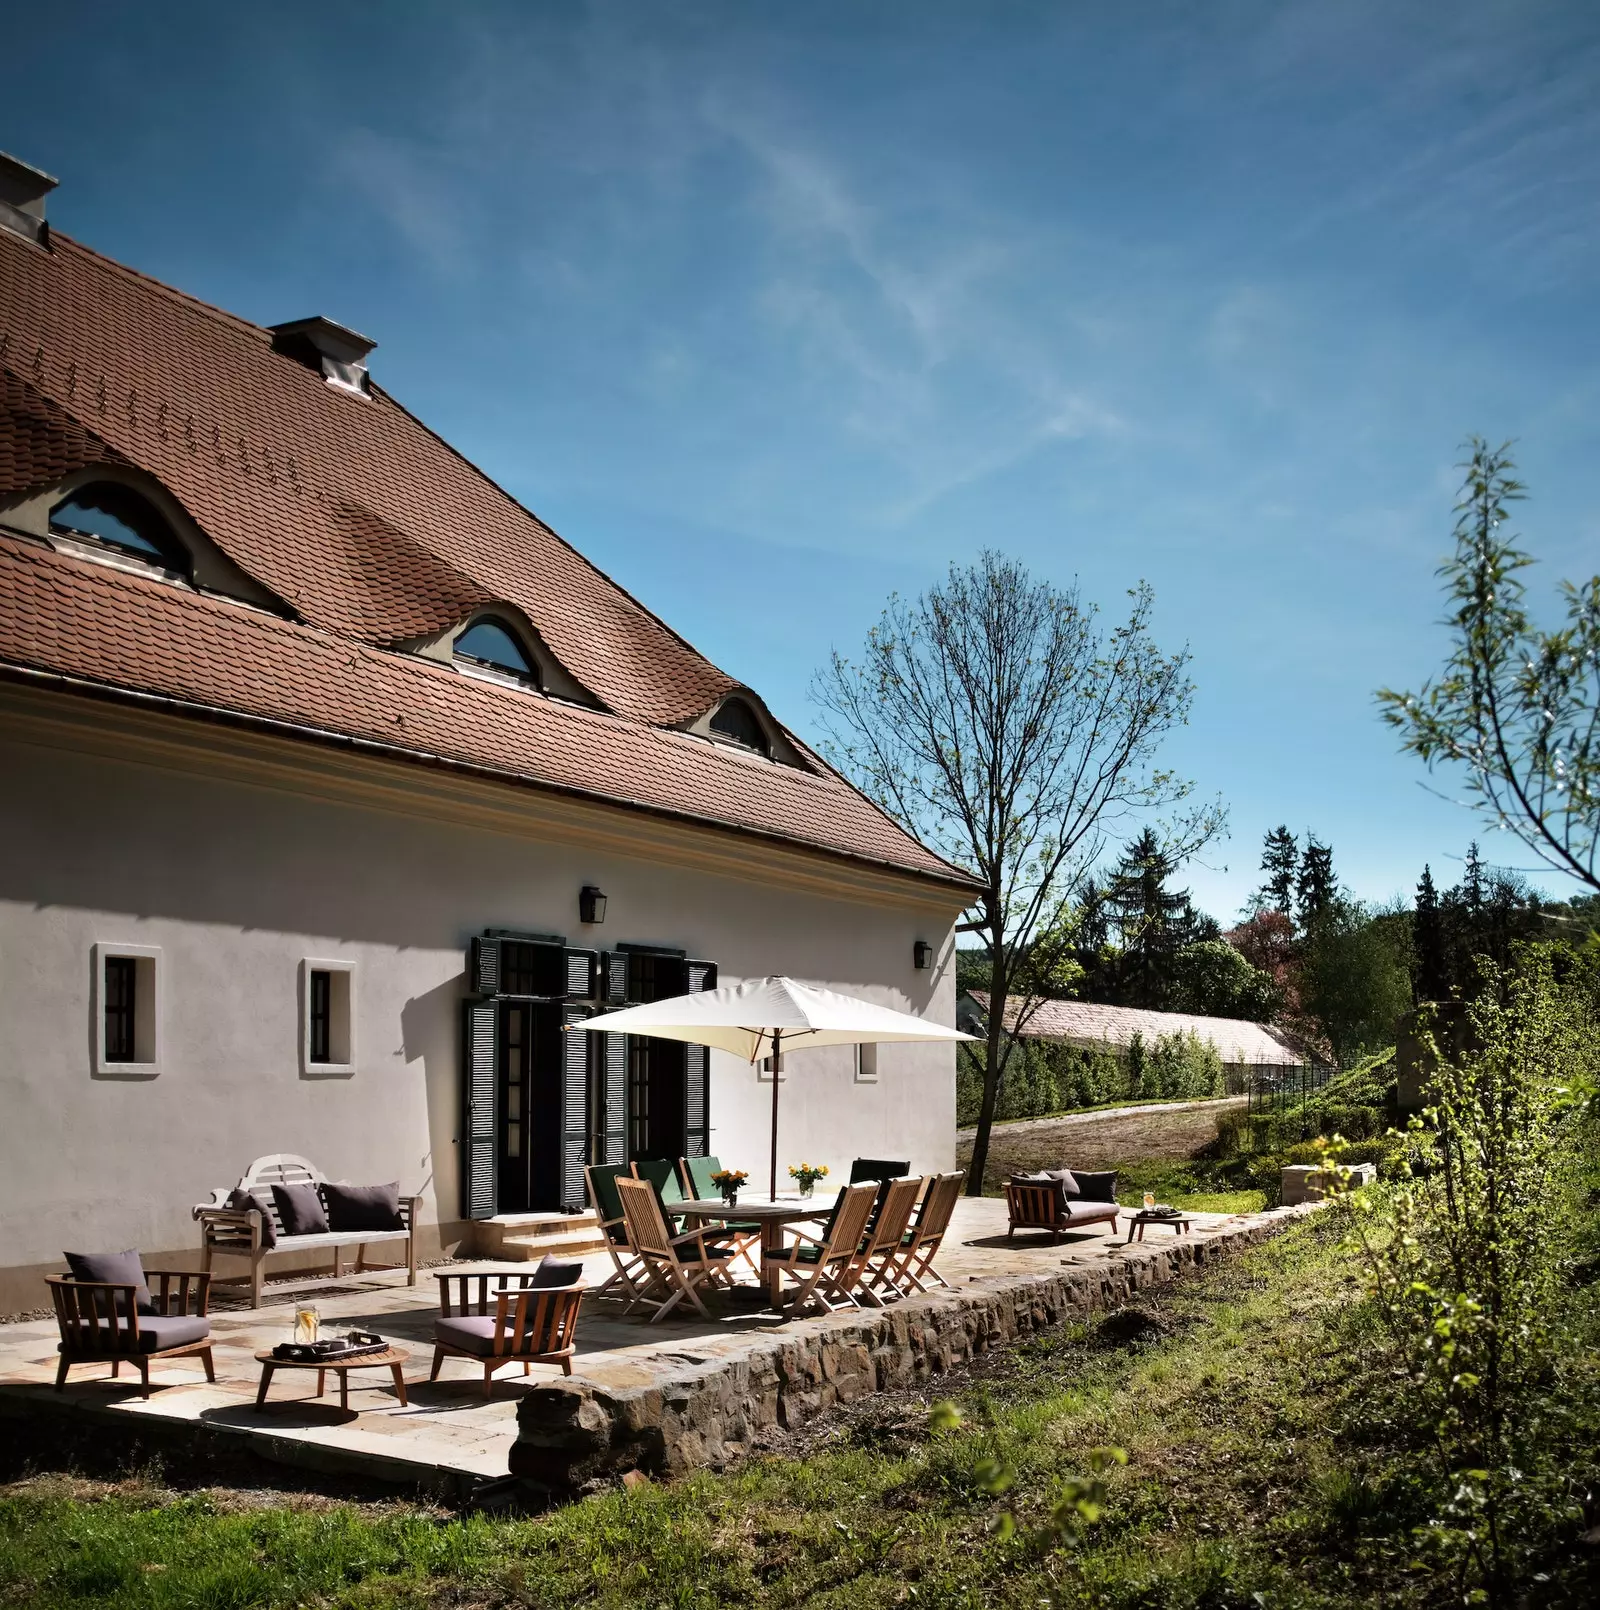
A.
pixel 232 857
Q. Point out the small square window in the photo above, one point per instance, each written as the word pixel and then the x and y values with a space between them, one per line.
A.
pixel 866 1064
pixel 327 1018
pixel 127 1011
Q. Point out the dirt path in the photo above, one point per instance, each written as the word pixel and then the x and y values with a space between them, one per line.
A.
pixel 1094 1140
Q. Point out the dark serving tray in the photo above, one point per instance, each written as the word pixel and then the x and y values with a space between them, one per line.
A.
pixel 329 1352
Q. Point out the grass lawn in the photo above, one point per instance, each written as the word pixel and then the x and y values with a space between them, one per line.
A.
pixel 1237 1485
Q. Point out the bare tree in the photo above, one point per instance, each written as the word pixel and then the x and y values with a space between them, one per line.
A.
pixel 995 719
pixel 1516 706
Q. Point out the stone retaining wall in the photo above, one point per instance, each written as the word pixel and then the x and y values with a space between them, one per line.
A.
pixel 571 1431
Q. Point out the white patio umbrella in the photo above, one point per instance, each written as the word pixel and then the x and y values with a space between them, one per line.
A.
pixel 764 1017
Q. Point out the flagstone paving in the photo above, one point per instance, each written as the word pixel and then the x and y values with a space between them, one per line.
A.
pixel 449 1437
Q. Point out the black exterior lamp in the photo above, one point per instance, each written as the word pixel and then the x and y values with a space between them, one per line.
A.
pixel 922 954
pixel 591 904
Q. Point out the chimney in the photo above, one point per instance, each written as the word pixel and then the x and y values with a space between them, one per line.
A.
pixel 22 193
pixel 337 353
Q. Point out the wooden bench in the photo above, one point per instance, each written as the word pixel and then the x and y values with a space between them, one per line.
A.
pixel 239 1232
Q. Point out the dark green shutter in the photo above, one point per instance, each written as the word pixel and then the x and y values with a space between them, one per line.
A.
pixel 615 1051
pixel 485 970
pixel 582 969
pixel 615 965
pixel 697 1072
pixel 575 1054
pixel 479 1154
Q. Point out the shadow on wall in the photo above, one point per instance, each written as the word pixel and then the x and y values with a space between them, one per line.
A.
pixel 430 1030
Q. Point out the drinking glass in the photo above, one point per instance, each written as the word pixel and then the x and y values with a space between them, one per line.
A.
pixel 307 1323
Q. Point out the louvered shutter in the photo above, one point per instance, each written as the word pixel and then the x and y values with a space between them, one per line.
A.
pixel 582 969
pixel 615 966
pixel 615 1051
pixel 479 1155
pixel 697 1072
pixel 485 969
pixel 574 1107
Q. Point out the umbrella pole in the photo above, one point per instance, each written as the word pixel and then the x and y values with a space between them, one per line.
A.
pixel 777 1068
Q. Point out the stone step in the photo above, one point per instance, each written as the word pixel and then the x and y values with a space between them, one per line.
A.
pixel 573 1243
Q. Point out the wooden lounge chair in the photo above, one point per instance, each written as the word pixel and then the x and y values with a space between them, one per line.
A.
pixel 100 1323
pixel 697 1182
pixel 601 1178
pixel 912 1264
pixel 678 1266
pixel 526 1324
pixel 875 1268
pixel 1040 1206
pixel 827 1264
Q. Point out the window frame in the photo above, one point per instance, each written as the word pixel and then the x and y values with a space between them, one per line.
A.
pixel 146 1011
pixel 470 665
pixel 866 1062
pixel 172 556
pixel 762 748
pixel 341 1018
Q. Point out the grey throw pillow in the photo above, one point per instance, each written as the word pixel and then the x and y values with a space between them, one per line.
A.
pixel 114 1269
pixel 554 1271
pixel 301 1209
pixel 238 1197
pixel 363 1207
pixel 1069 1181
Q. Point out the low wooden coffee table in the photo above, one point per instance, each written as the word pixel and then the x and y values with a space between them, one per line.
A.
pixel 390 1358
pixel 1136 1225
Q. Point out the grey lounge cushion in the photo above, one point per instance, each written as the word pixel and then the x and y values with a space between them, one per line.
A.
pixel 238 1197
pixel 1069 1181
pixel 114 1269
pixel 554 1271
pixel 473 1333
pixel 301 1209
pixel 157 1332
pixel 363 1207
pixel 1079 1212
pixel 1097 1187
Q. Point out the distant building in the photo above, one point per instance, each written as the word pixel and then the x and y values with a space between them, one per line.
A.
pixel 1243 1047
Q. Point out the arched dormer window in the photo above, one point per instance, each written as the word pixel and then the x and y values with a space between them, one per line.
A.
pixel 735 720
pixel 115 515
pixel 491 644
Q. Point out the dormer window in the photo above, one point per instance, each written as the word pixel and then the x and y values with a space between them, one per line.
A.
pixel 738 723
pixel 118 517
pixel 490 645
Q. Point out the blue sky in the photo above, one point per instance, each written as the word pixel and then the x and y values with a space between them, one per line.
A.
pixel 771 310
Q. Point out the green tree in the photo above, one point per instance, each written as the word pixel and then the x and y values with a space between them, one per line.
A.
pixel 1356 975
pixel 1315 886
pixel 1517 707
pixel 994 718
pixel 1432 980
pixel 1213 979
pixel 1280 860
pixel 1155 922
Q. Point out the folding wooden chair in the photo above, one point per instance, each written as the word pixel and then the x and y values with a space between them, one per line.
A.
pixel 824 1263
pixel 601 1179
pixel 740 1237
pixel 913 1264
pixel 679 1264
pixel 875 1266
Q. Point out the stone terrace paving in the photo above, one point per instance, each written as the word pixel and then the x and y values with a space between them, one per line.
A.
pixel 668 1396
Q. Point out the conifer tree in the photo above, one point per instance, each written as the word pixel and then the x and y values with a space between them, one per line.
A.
pixel 1280 859
pixel 1431 979
pixel 1316 887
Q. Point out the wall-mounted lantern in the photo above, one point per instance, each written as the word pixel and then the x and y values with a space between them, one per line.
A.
pixel 922 954
pixel 591 904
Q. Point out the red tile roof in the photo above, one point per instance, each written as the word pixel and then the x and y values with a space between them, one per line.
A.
pixel 1089 1023
pixel 374 532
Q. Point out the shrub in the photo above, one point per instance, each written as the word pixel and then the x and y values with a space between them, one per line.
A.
pixel 1466 1254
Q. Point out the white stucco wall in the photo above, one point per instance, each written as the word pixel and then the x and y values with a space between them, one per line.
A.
pixel 236 884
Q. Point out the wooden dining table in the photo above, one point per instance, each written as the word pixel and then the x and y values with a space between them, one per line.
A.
pixel 771 1215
